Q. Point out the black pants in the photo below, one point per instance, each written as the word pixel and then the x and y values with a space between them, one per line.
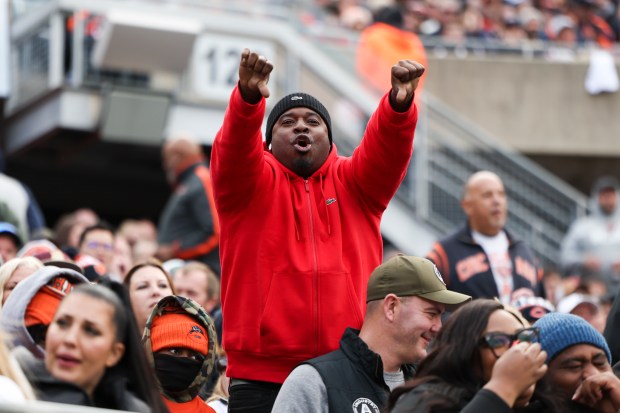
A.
pixel 252 396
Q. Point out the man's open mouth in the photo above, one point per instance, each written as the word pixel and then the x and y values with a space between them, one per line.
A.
pixel 302 144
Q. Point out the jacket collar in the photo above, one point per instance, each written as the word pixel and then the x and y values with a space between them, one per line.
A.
pixel 464 235
pixel 356 349
pixel 186 170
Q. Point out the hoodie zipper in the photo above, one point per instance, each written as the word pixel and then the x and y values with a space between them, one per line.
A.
pixel 316 269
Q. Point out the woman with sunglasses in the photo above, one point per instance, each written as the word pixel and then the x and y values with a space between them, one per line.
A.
pixel 483 360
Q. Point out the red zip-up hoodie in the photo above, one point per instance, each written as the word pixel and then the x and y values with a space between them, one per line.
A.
pixel 296 254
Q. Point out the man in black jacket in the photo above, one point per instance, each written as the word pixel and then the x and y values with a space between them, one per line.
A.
pixel 406 298
pixel 188 226
pixel 482 259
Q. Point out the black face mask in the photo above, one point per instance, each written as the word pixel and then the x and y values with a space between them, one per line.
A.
pixel 38 332
pixel 175 373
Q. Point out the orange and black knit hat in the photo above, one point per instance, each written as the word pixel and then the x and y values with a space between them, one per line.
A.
pixel 178 330
pixel 45 302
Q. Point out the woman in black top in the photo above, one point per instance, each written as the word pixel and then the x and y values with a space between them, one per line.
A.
pixel 93 355
pixel 483 360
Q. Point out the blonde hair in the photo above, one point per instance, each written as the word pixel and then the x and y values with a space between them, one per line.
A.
pixel 10 369
pixel 8 268
pixel 220 391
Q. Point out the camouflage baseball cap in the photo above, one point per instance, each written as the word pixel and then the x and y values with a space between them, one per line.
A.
pixel 406 276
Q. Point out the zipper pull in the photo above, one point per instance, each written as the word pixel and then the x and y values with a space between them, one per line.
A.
pixel 306 185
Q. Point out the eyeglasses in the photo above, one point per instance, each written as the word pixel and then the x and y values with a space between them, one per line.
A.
pixel 103 245
pixel 496 340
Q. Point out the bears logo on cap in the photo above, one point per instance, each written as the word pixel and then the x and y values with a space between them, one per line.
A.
pixel 196 334
pixel 61 284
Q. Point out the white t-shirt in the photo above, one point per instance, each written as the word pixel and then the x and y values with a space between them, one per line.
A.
pixel 219 405
pixel 393 380
pixel 496 249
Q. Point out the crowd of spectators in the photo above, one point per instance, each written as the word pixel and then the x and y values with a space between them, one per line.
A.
pixel 510 22
pixel 51 313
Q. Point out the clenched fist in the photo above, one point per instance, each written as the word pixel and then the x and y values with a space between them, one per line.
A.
pixel 405 78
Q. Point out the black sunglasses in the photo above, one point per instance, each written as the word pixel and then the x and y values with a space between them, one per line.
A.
pixel 496 340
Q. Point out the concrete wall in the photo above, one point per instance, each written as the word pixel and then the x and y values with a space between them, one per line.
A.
pixel 537 107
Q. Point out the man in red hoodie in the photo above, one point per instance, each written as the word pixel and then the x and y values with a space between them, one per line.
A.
pixel 299 224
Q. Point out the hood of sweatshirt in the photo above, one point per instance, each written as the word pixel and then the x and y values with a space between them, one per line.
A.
pixel 14 309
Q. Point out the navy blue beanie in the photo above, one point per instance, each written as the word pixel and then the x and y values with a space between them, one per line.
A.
pixel 297 100
pixel 561 331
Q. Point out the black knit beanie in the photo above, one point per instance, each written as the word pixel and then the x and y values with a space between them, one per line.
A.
pixel 296 100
